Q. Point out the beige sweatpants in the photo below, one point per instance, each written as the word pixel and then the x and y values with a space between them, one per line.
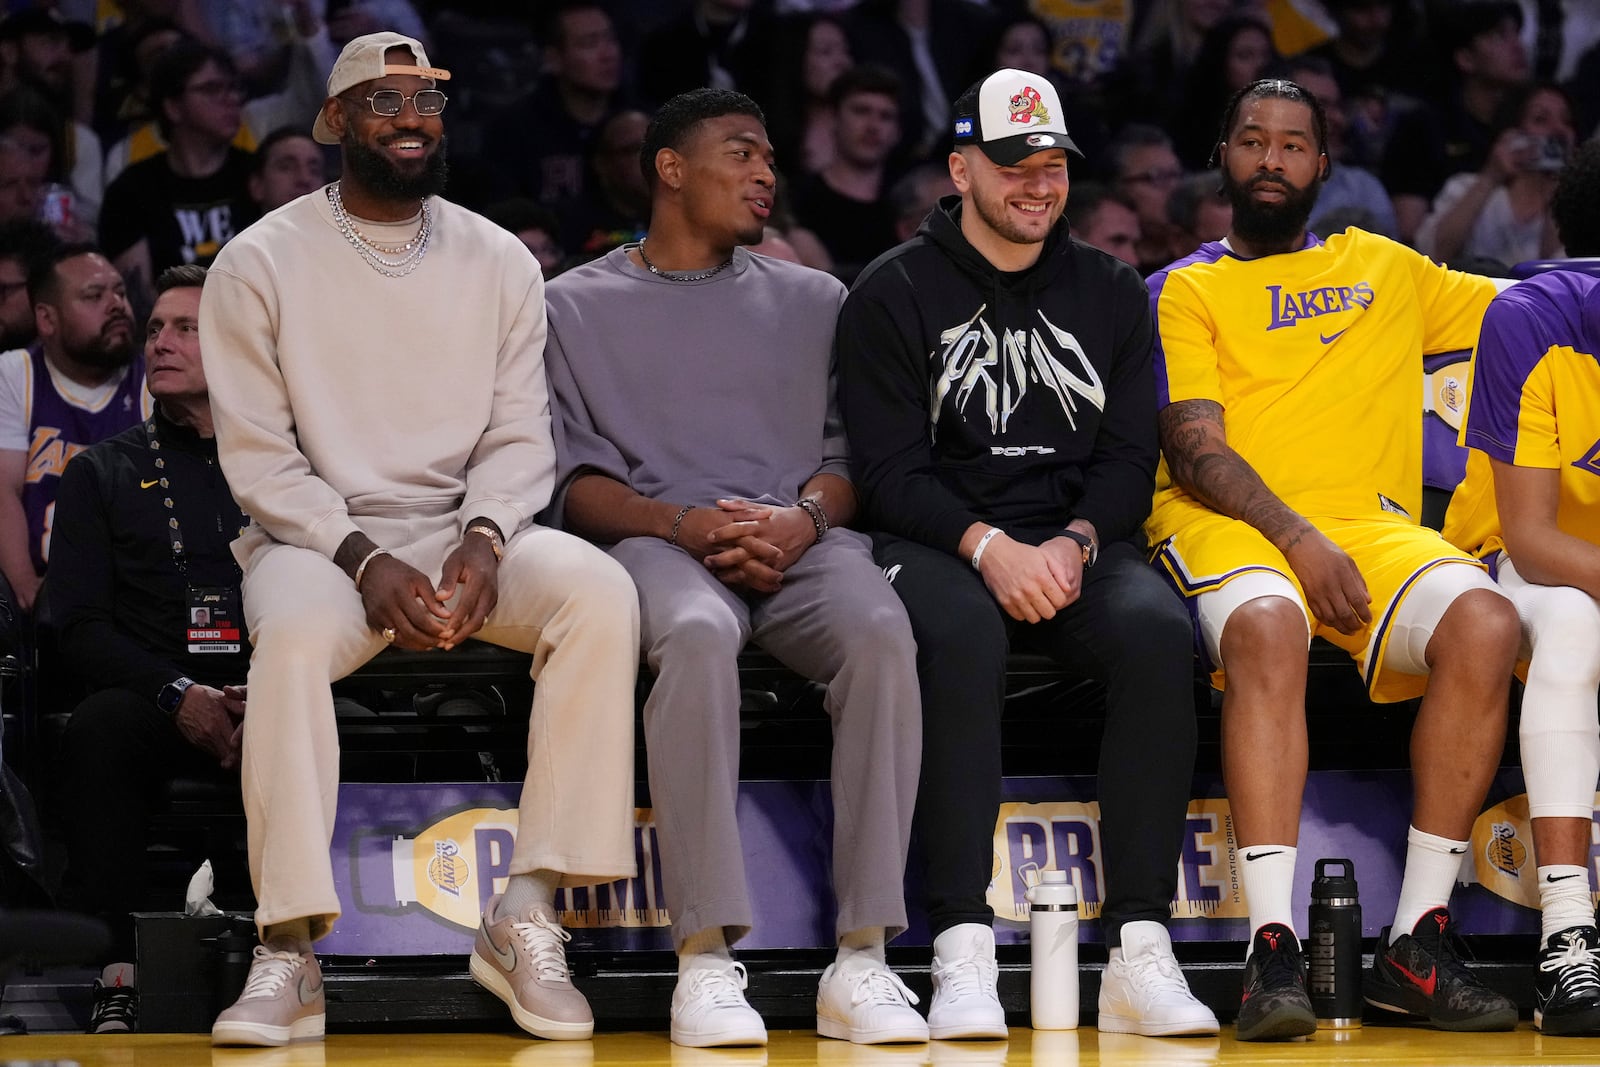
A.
pixel 561 599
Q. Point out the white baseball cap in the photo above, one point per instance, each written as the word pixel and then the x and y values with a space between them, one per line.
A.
pixel 1012 114
pixel 362 61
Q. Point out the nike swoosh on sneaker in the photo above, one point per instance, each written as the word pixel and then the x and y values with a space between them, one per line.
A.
pixel 307 990
pixel 1560 877
pixel 1262 855
pixel 1329 338
pixel 506 959
pixel 1427 985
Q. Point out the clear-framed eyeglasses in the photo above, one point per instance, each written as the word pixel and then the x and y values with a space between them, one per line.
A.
pixel 388 102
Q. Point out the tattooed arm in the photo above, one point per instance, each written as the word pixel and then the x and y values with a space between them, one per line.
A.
pixel 1202 463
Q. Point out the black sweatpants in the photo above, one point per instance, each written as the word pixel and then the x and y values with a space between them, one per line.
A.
pixel 116 752
pixel 1127 629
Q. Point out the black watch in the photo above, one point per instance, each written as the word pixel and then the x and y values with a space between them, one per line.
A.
pixel 1085 542
pixel 171 695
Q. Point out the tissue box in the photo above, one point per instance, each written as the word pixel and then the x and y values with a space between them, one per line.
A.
pixel 181 970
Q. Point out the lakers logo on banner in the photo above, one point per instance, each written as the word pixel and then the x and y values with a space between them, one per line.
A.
pixel 1502 851
pixel 452 866
pixel 1445 392
pixel 1030 838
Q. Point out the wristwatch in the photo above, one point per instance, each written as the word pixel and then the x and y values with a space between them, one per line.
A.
pixel 1091 551
pixel 171 695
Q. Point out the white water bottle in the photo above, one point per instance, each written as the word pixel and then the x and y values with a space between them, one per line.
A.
pixel 1053 939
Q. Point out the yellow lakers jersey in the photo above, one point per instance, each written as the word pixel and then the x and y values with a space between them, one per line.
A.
pixel 1534 401
pixel 1315 357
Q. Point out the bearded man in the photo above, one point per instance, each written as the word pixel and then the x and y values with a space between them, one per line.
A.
pixel 1297 517
pixel 81 382
pixel 392 445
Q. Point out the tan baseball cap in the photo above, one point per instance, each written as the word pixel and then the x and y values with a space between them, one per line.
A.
pixel 362 61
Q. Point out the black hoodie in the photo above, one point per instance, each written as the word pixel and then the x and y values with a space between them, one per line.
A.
pixel 1021 399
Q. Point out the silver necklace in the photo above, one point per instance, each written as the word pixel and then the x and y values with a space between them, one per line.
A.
pixel 410 253
pixel 678 275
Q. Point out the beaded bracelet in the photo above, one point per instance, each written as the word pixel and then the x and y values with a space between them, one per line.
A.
pixel 819 518
pixel 677 522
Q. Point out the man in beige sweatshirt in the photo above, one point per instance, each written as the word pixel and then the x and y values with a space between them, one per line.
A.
pixel 375 355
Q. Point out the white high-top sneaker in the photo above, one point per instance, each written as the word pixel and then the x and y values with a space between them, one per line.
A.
pixel 966 997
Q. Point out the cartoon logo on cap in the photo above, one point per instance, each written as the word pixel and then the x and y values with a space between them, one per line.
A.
pixel 1027 107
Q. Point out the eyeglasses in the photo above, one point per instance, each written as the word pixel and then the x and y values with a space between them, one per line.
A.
pixel 1153 177
pixel 216 90
pixel 388 102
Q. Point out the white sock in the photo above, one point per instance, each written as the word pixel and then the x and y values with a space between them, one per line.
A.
pixel 1267 874
pixel 704 949
pixel 861 948
pixel 526 891
pixel 1432 864
pixel 1563 900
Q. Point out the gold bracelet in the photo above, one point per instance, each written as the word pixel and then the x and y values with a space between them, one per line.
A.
pixel 361 568
pixel 494 539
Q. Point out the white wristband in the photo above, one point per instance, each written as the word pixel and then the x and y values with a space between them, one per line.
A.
pixel 983 543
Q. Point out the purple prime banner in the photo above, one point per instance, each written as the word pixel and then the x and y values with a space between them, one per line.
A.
pixel 414 864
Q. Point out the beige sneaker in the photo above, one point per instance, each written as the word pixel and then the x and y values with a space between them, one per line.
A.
pixel 283 1001
pixel 525 965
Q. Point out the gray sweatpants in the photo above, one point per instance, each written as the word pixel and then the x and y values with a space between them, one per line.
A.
pixel 836 621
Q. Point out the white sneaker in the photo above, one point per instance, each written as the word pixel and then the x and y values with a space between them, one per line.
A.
pixel 1144 991
pixel 709 1009
pixel 966 996
pixel 868 1004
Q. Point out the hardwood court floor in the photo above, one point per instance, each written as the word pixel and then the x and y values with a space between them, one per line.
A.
pixel 793 1048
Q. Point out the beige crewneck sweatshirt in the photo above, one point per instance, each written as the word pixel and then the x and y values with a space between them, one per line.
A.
pixel 340 392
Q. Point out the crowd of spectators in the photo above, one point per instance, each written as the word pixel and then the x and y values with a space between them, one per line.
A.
pixel 1448 118
pixel 142 136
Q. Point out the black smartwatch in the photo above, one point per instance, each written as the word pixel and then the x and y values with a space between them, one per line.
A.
pixel 171 695
pixel 1085 542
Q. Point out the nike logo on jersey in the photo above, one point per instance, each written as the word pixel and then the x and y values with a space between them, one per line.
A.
pixel 145 485
pixel 1427 985
pixel 1329 338
pixel 1290 308
pixel 1561 877
pixel 1249 856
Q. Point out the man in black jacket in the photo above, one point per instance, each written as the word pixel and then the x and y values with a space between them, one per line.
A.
pixel 997 390
pixel 140 550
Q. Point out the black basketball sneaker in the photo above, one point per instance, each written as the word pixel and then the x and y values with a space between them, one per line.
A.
pixel 1567 983
pixel 1422 975
pixel 1275 1006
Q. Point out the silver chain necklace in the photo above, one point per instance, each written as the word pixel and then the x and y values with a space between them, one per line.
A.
pixel 677 275
pixel 410 252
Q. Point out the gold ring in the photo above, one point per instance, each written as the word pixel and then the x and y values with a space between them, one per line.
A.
pixel 388 634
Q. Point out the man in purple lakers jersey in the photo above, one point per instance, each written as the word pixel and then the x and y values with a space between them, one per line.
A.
pixel 1296 517
pixel 1530 508
pixel 82 382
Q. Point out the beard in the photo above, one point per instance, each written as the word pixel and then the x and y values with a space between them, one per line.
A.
pixel 376 173
pixel 100 351
pixel 1269 224
pixel 994 214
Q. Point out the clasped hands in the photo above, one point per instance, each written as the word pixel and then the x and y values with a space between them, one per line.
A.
pixel 1032 583
pixel 397 596
pixel 212 720
pixel 747 546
